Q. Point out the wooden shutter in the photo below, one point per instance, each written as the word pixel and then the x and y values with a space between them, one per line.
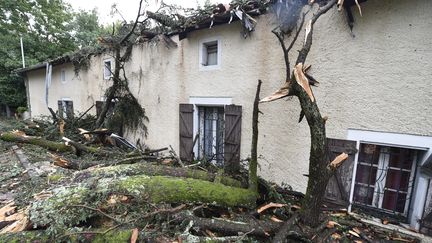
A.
pixel 339 186
pixel 233 114
pixel 426 221
pixel 60 108
pixel 69 109
pixel 99 105
pixel 186 132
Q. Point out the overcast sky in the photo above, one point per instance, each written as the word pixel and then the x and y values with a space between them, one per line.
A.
pixel 128 8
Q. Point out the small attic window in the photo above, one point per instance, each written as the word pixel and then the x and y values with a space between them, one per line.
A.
pixel 211 51
pixel 210 54
pixel 107 70
pixel 63 76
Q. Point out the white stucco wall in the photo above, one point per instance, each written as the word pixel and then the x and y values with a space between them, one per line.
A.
pixel 379 80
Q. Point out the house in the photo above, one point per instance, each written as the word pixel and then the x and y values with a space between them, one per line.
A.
pixel 374 87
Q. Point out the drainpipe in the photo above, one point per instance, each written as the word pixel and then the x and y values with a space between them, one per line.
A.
pixel 47 80
pixel 22 51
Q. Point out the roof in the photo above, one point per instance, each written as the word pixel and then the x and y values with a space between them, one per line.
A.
pixel 176 24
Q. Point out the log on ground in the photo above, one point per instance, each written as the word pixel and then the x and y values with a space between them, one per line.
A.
pixel 53 146
pixel 142 189
pixel 154 170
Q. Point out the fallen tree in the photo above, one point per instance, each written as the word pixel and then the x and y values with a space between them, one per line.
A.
pixel 251 226
pixel 60 207
pixel 53 146
pixel 145 168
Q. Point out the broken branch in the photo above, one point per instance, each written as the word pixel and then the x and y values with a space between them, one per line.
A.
pixel 338 161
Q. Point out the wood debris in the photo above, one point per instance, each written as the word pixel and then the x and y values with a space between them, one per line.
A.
pixel 279 94
pixel 354 233
pixel 7 210
pixel 270 205
pixel 275 219
pixel 338 160
pixel 18 221
pixel 308 30
pixel 59 161
pixel 359 8
pixel 134 236
pixel 340 4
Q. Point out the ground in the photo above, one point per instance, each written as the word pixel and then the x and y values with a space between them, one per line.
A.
pixel 118 203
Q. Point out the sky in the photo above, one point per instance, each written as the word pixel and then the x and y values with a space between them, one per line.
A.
pixel 128 8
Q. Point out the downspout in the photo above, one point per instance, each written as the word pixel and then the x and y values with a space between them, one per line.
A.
pixel 47 81
pixel 26 84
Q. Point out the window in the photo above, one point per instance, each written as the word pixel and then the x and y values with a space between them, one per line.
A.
pixel 210 54
pixel 65 108
pixel 384 177
pixel 211 134
pixel 63 76
pixel 107 70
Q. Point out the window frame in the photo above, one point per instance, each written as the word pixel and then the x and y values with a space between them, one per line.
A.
pixel 64 106
pixel 418 142
pixel 104 68
pixel 381 178
pixel 203 54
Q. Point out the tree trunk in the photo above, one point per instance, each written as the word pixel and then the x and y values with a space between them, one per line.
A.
pixel 153 170
pixel 142 189
pixel 53 146
pixel 8 111
pixel 112 90
pixel 253 164
pixel 232 227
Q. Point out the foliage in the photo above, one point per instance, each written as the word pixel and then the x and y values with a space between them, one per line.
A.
pixel 86 28
pixel 48 30
pixel 21 109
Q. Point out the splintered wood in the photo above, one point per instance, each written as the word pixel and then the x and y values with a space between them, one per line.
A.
pixel 14 221
pixel 59 161
pixel 270 205
pixel 338 160
pixel 134 236
pixel 279 94
pixel 303 81
pixel 359 8
pixel 340 4
pixel 308 30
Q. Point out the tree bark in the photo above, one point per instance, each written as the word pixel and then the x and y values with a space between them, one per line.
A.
pixel 53 146
pixel 153 170
pixel 141 188
pixel 112 90
pixel 253 164
pixel 231 227
pixel 319 173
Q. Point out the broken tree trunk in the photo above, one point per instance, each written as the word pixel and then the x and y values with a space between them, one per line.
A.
pixel 319 171
pixel 253 164
pixel 297 84
pixel 53 146
pixel 231 227
pixel 153 170
pixel 142 188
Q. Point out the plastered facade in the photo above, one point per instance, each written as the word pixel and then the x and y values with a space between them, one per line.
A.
pixel 378 80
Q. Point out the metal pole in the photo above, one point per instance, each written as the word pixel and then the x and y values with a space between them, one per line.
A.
pixel 22 52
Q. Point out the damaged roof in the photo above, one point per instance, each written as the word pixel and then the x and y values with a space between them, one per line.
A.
pixel 172 23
